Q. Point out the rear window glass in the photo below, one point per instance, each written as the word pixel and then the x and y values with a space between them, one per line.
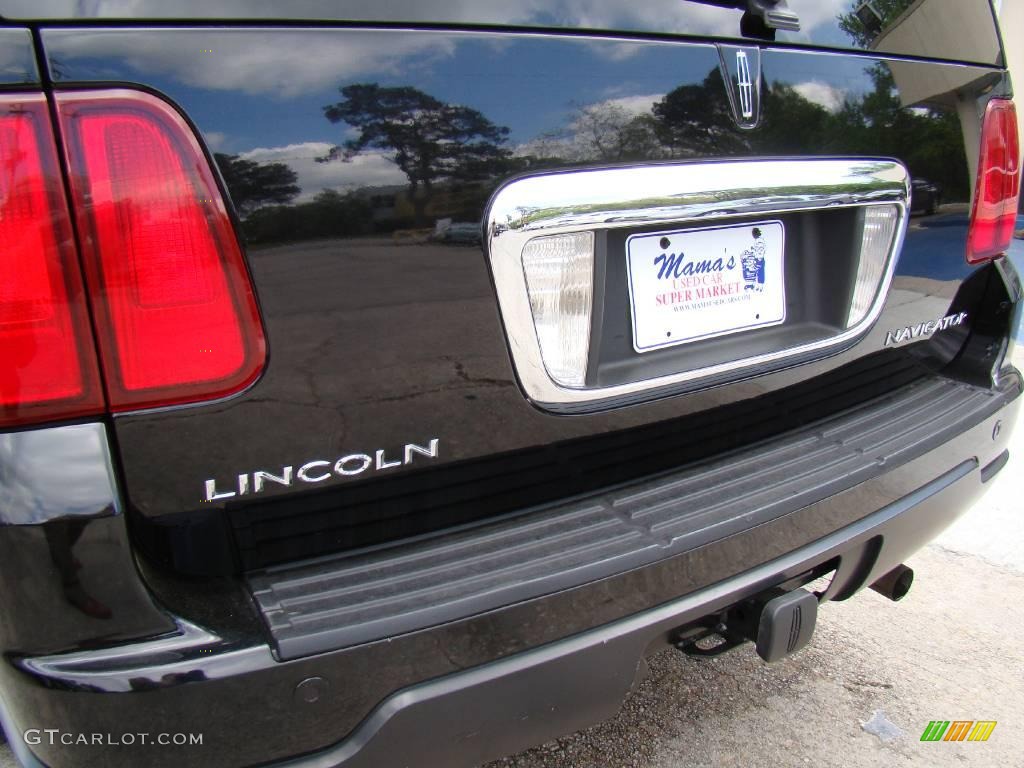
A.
pixel 958 30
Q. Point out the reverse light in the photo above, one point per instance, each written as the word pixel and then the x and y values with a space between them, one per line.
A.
pixel 879 227
pixel 47 356
pixel 997 191
pixel 559 272
pixel 176 316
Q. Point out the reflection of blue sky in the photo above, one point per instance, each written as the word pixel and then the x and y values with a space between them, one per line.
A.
pixel 248 98
pixel 825 83
pixel 241 82
pixel 262 94
pixel 817 17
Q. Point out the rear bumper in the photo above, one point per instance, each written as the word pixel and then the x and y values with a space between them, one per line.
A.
pixel 497 709
pixel 473 689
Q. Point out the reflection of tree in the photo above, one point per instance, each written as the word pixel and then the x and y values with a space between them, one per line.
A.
pixel 928 140
pixel 433 142
pixel 793 125
pixel 863 36
pixel 605 132
pixel 696 120
pixel 329 214
pixel 253 184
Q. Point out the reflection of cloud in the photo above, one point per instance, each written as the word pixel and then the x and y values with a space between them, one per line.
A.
pixel 485 11
pixel 632 105
pixel 367 169
pixel 215 139
pixel 660 15
pixel 297 62
pixel 600 130
pixel 303 59
pixel 822 94
pixel 814 13
pixel 649 14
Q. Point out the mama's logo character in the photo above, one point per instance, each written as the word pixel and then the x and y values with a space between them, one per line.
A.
pixel 752 263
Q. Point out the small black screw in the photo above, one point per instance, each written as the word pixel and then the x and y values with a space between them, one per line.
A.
pixel 665 243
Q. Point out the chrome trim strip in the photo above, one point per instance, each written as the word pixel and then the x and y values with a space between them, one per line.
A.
pixel 190 652
pixel 56 472
pixel 639 196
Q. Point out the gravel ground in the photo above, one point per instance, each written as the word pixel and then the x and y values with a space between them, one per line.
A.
pixel 934 656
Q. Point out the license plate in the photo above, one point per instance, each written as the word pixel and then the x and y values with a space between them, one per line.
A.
pixel 700 283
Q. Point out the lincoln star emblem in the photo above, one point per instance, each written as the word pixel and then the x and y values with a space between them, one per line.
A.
pixel 741 74
pixel 745 85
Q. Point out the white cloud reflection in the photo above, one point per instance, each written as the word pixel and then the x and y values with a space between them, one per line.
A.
pixel 367 169
pixel 241 60
pixel 822 94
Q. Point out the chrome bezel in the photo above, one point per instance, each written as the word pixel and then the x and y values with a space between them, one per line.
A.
pixel 672 193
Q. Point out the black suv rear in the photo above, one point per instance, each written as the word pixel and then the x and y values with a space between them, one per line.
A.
pixel 381 386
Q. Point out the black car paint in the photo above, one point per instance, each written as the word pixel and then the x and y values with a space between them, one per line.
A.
pixel 419 355
pixel 925 197
pixel 417 351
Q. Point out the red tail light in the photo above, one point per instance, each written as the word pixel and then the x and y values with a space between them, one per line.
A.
pixel 47 356
pixel 176 317
pixel 998 188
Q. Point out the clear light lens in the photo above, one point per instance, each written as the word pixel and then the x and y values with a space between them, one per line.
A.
pixel 560 280
pixel 876 242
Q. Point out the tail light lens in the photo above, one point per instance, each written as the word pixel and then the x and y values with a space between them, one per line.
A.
pixel 177 320
pixel 997 191
pixel 47 356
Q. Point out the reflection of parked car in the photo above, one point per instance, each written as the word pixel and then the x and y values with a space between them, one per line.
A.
pixel 925 197
pixel 462 234
pixel 458 232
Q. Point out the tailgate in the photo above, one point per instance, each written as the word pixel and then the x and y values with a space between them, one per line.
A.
pixel 402 196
